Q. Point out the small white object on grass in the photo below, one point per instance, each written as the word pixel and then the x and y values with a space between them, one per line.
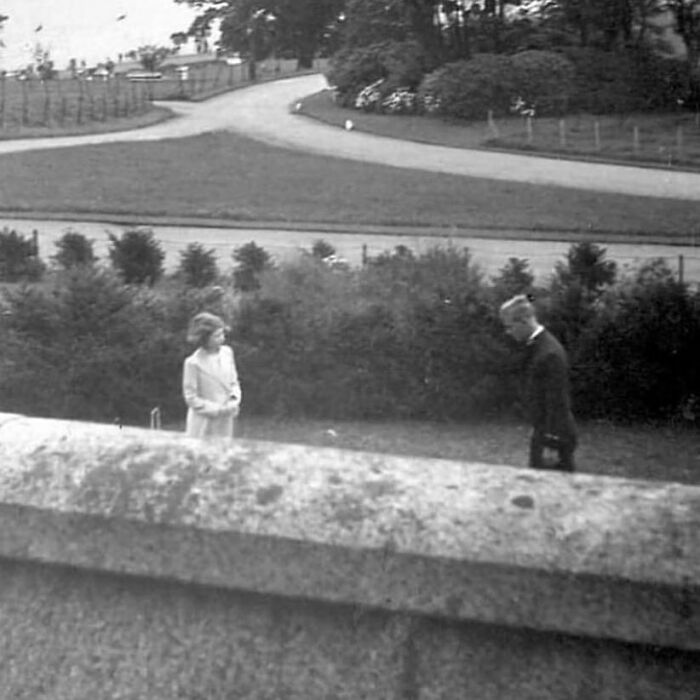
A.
pixel 297 107
pixel 349 126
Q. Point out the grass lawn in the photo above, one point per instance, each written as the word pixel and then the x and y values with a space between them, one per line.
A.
pixel 661 139
pixel 636 452
pixel 227 176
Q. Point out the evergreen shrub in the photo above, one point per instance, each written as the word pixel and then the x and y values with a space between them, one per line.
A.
pixel 73 249
pixel 406 336
pixel 608 82
pixel 198 266
pixel 137 256
pixel 19 258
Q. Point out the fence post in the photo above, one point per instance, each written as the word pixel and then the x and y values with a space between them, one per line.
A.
pixel 25 104
pixel 681 266
pixel 81 98
pixel 155 418
pixel 596 134
pixel 35 243
pixel 47 104
pixel 635 139
pixel 364 254
pixel 492 124
pixel 2 100
pixel 562 133
pixel 528 127
pixel 679 142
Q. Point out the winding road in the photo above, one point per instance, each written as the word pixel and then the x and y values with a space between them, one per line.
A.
pixel 265 112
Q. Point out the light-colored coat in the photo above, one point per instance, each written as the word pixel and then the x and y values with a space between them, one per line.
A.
pixel 212 393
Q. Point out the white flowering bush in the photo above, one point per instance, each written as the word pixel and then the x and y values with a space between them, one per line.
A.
pixel 400 101
pixel 524 109
pixel 370 97
pixel 430 103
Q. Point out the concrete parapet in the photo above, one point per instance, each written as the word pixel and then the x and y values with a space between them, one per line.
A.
pixel 265 570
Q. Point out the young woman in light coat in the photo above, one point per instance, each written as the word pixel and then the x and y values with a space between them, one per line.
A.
pixel 210 381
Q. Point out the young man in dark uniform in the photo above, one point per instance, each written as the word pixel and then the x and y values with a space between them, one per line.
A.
pixel 547 377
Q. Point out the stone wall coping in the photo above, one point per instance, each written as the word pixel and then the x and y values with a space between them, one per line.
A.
pixel 576 554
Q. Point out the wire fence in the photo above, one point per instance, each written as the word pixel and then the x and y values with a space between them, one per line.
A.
pixel 668 139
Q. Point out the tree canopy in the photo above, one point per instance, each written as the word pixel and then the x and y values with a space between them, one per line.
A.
pixel 260 28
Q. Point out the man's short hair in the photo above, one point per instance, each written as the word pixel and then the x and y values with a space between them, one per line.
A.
pixel 518 308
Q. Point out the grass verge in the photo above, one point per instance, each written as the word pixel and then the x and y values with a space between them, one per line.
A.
pixel 634 452
pixel 225 176
pixel 155 115
pixel 660 140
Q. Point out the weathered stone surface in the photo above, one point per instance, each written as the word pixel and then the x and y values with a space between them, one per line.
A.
pixel 581 555
pixel 71 634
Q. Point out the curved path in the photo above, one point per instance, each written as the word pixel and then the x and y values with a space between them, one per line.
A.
pixel 263 112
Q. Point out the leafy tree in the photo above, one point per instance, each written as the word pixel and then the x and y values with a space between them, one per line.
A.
pixel 259 28
pixel 686 17
pixel 251 260
pixel 150 56
pixel 73 249
pixel 198 265
pixel 138 256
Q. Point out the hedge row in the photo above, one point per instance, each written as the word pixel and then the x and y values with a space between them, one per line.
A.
pixel 402 337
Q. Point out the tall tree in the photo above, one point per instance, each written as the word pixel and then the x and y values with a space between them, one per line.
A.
pixel 259 27
pixel 686 18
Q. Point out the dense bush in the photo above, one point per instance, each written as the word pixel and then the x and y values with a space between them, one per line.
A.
pixel 621 82
pixel 137 256
pixel 405 336
pixel 639 357
pixel 470 89
pixel 94 348
pixel 18 258
pixel 544 80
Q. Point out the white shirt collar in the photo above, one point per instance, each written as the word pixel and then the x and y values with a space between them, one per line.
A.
pixel 535 333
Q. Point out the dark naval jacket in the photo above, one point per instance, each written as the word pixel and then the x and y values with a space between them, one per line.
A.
pixel 548 397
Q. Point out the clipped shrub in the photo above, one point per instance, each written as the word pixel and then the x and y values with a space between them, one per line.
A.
pixel 73 249
pixel 198 265
pixel 137 256
pixel 470 89
pixel 19 260
pixel 543 79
